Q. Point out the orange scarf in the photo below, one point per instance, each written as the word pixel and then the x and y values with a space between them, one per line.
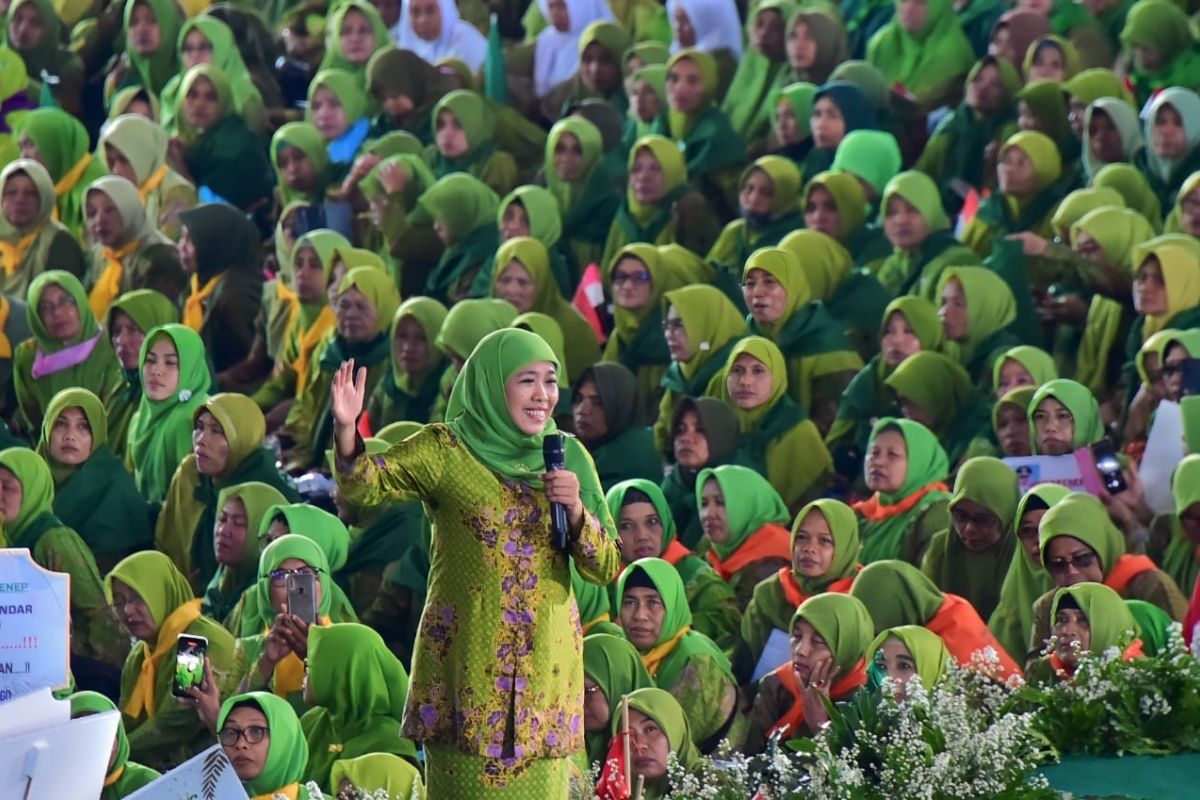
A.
pixel 289 672
pixel 152 183
pixel 6 349
pixel 108 287
pixel 1125 570
pixel 1065 671
pixel 795 595
pixel 657 655
pixel 291 792
pixel 965 633
pixel 794 718
pixel 115 776
pixel 142 697
pixel 307 343
pixel 193 307
pixel 675 553
pixel 873 510
pixel 12 254
pixel 769 541
pixel 587 626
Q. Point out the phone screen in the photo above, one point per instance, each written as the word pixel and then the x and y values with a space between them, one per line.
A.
pixel 190 652
pixel 302 598
pixel 1108 466
pixel 1191 377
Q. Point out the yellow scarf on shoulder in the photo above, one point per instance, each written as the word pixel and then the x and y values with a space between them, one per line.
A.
pixel 289 792
pixel 307 342
pixel 13 253
pixel 67 182
pixel 142 697
pixel 108 286
pixel 193 308
pixel 152 183
pixel 289 672
pixel 654 659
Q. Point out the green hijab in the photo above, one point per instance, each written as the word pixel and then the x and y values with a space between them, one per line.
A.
pixel 469 321
pixel 1048 104
pixel 1165 28
pixel 824 264
pixel 156 579
pixel 897 593
pixel 848 197
pixel 35 516
pixel 44 55
pixel 1110 621
pixel 379 772
pixel 1079 203
pixel 541 209
pixel 923 61
pixel 992 484
pixel 292 545
pixel 1118 231
pixel 478 124
pixel 135 224
pixel 391 72
pixel 903 271
pixel 324 528
pixel 305 138
pixel 843 524
pixel 750 503
pixel 1093 84
pixel 430 315
pixel 97 418
pixel 142 141
pixel 1124 118
pixel 711 323
pixel 156 69
pixel 873 156
pixel 615 501
pixel 1083 517
pixel 160 433
pixel 991 309
pixel 1134 189
pixel 567 193
pixel 87 703
pixel 64 149
pixel 1179 560
pixel 1082 404
pixel 783 264
pixel 88 327
pixel 921 316
pixel 766 352
pixel 800 96
pixel 638 330
pixel 675 175
pixel 614 664
pixel 225 56
pixel 678 616
pixel 745 99
pixel 287 751
pixel 843 622
pixel 231 580
pixel 533 255
pixel 927 649
pixel 939 385
pixel 927 462
pixel 349 90
pixel 662 707
pixel 466 207
pixel 1026 580
pixel 1036 361
pixel 358 688
pixel 333 33
pixel 680 123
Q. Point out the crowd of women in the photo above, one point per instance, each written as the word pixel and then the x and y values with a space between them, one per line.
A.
pixel 802 275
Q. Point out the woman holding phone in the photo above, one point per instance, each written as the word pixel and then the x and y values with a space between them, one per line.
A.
pixel 497 680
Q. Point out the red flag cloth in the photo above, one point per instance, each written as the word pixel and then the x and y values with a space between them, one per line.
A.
pixel 612 784
pixel 589 297
pixel 364 425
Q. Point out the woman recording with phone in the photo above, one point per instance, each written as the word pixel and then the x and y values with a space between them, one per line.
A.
pixel 497 680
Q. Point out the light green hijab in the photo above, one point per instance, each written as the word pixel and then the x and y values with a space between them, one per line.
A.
pixel 873 156
pixel 843 622
pixel 156 69
pixel 991 306
pixel 927 462
pixel 349 90
pixel 769 354
pixel 783 264
pixel 88 327
pixel 843 524
pixel 1080 203
pixel 800 97
pixel 1109 618
pixel 430 315
pixel 615 501
pixel 292 545
pixel 939 385
pixel 461 202
pixel 287 751
pixel 379 772
pixel 1083 517
pixel 710 322
pixel 541 209
pixel 160 433
pixel 230 580
pixel 923 61
pixel 1082 404
pixel 1179 561
pixel 87 402
pixel 824 265
pixel 614 664
pixel 1036 361
pixel 750 503
pixel 333 33
pixel 592 145
pixel 305 138
pixel 1118 231
pixel 927 649
pixel 468 321
pixel 1133 187
pixel 86 703
pixel 662 707
pixel 156 579
pixel 897 593
pixel 37 500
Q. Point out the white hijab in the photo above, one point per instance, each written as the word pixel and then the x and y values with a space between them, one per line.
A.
pixel 556 53
pixel 717 24
pixel 458 39
pixel 1124 119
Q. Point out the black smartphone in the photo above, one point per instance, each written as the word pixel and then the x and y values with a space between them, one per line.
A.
pixel 302 596
pixel 190 652
pixel 1108 466
pixel 1191 377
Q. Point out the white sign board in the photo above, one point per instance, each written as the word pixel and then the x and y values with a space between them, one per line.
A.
pixel 35 647
pixel 207 776
pixel 1164 450
pixel 46 755
pixel 1076 471
pixel 776 653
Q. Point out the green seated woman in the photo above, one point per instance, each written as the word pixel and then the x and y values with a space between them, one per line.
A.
pixel 262 737
pixel 609 422
pixel 612 668
pixel 122 777
pixel 1088 620
pixel 703 435
pixel 240 510
pixel 130 318
pixel 908 656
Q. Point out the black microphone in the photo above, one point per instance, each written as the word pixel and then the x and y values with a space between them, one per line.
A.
pixel 552 452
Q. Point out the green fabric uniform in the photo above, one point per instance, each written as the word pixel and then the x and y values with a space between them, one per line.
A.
pixel 466 209
pixel 379 771
pixel 627 449
pixel 165 734
pixel 28 251
pixel 867 396
pixel 247 100
pixel 918 270
pixel 154 70
pixel 96 634
pixel 142 258
pixel 546 225
pixel 712 325
pixel 401 395
pixel 287 751
pixel 1085 411
pixel 991 311
pixel 1166 175
pixel 843 622
pixel 147 309
pixel 1026 580
pixel 942 389
pixel 493 167
pixel 865 242
pixel 977 575
pixel 98 498
pixel 906 534
pixel 720 427
pixel 587 204
pixel 144 145
pixel 821 359
pixel 713 606
pixel 1164 28
pixel 776 438
pixel 746 101
pixel 224 591
pixel 308 421
pixel 160 432
pixel 391 73
pixel 692 668
pixel 334 59
pixel 63 148
pixel 184 530
pixel 928 651
pixel 770 609
pixel 666 710
pixel 68 363
pixel 480 460
pixel 307 139
pixel 928 62
pixel 1178 556
pixel 124 777
pixel 616 667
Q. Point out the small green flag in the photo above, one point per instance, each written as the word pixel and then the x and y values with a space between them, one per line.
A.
pixel 495 78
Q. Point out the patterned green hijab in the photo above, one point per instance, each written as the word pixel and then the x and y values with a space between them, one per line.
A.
pixel 156 69
pixel 287 752
pixel 1111 623
pixel 927 649
pixel 1083 517
pixel 897 593
pixel 1082 404
pixel 843 622
pixel 615 501
pixel 37 499
pixel 750 503
pixel 843 524
pixel 160 433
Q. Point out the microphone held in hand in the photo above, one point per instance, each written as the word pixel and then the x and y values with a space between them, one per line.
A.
pixel 552 452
